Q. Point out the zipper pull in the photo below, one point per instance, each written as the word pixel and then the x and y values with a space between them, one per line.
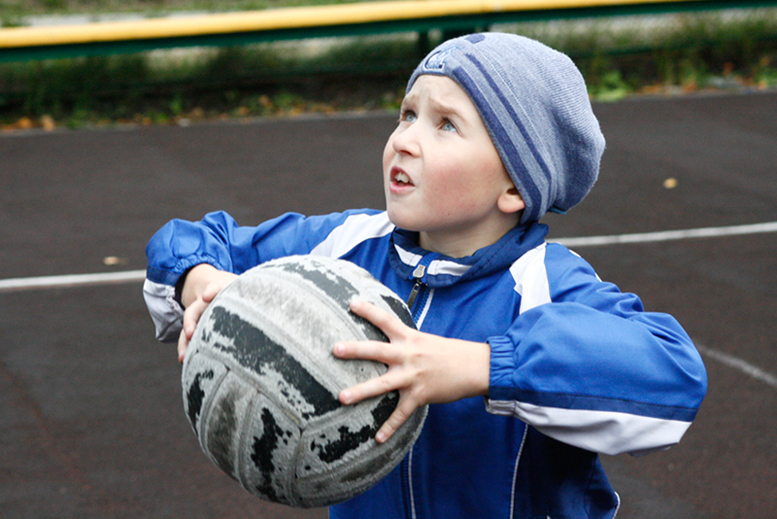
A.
pixel 418 275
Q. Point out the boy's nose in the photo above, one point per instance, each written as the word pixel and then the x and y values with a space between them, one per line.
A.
pixel 405 141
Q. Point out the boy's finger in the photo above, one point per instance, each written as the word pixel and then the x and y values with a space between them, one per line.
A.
pixel 387 323
pixel 211 291
pixel 371 388
pixel 367 350
pixel 355 394
pixel 192 316
pixel 395 421
pixel 190 319
pixel 183 342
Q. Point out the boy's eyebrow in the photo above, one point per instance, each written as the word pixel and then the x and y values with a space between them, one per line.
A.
pixel 436 105
pixel 408 99
pixel 443 108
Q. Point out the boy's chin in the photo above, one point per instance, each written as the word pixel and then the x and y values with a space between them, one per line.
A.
pixel 401 220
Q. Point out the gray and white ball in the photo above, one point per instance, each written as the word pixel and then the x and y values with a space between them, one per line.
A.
pixel 261 385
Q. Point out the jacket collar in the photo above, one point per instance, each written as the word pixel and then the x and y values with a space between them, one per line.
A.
pixel 405 255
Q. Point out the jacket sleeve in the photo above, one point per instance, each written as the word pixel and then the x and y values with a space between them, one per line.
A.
pixel 585 364
pixel 218 240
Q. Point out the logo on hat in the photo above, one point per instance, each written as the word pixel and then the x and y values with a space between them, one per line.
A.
pixel 436 61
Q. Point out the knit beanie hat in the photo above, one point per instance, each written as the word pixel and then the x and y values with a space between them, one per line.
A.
pixel 534 103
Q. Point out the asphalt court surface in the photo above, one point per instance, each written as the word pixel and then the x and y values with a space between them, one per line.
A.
pixel 91 417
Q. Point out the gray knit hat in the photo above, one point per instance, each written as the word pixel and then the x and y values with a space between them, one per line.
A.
pixel 534 103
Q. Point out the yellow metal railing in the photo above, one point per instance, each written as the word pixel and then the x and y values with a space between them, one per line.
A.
pixel 21 43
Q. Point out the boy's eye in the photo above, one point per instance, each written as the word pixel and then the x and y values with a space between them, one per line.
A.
pixel 407 115
pixel 448 126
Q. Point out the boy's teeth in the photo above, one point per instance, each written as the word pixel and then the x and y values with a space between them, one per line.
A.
pixel 402 177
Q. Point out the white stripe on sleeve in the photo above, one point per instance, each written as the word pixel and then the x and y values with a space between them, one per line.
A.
pixel 605 432
pixel 531 279
pixel 356 229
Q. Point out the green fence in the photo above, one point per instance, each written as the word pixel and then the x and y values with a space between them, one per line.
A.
pixel 232 29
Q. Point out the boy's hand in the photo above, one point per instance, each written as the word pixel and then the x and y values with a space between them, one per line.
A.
pixel 202 284
pixel 424 368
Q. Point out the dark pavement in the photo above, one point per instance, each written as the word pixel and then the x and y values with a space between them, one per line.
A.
pixel 91 418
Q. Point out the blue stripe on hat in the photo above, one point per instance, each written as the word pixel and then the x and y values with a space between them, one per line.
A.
pixel 510 155
pixel 508 105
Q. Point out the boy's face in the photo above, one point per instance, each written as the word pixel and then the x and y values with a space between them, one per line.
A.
pixel 442 174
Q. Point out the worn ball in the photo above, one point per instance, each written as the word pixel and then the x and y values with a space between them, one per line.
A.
pixel 260 383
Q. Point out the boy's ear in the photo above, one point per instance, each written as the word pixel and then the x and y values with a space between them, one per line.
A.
pixel 510 201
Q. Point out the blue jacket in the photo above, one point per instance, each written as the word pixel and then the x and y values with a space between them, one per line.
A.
pixel 577 367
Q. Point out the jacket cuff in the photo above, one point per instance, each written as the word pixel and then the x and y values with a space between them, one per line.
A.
pixel 166 313
pixel 502 363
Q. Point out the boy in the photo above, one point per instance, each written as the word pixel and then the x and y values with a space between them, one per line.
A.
pixel 531 363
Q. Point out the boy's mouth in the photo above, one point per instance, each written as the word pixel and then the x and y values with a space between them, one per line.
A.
pixel 400 177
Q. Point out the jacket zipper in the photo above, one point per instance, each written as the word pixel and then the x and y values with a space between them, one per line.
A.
pixel 406 490
pixel 418 276
pixel 407 467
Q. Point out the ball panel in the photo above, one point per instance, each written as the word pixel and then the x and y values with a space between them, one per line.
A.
pixel 268 452
pixel 266 360
pixel 333 282
pixel 306 320
pixel 358 472
pixel 297 357
pixel 346 459
pixel 261 383
pixel 223 421
pixel 343 281
pixel 332 440
pixel 200 379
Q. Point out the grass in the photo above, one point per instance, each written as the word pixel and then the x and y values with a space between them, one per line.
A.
pixel 620 57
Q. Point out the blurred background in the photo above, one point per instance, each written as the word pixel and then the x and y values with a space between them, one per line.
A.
pixel 102 143
pixel 648 49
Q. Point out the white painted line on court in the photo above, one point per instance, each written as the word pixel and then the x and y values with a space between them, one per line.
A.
pixel 13 284
pixel 706 232
pixel 739 364
pixel 32 283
